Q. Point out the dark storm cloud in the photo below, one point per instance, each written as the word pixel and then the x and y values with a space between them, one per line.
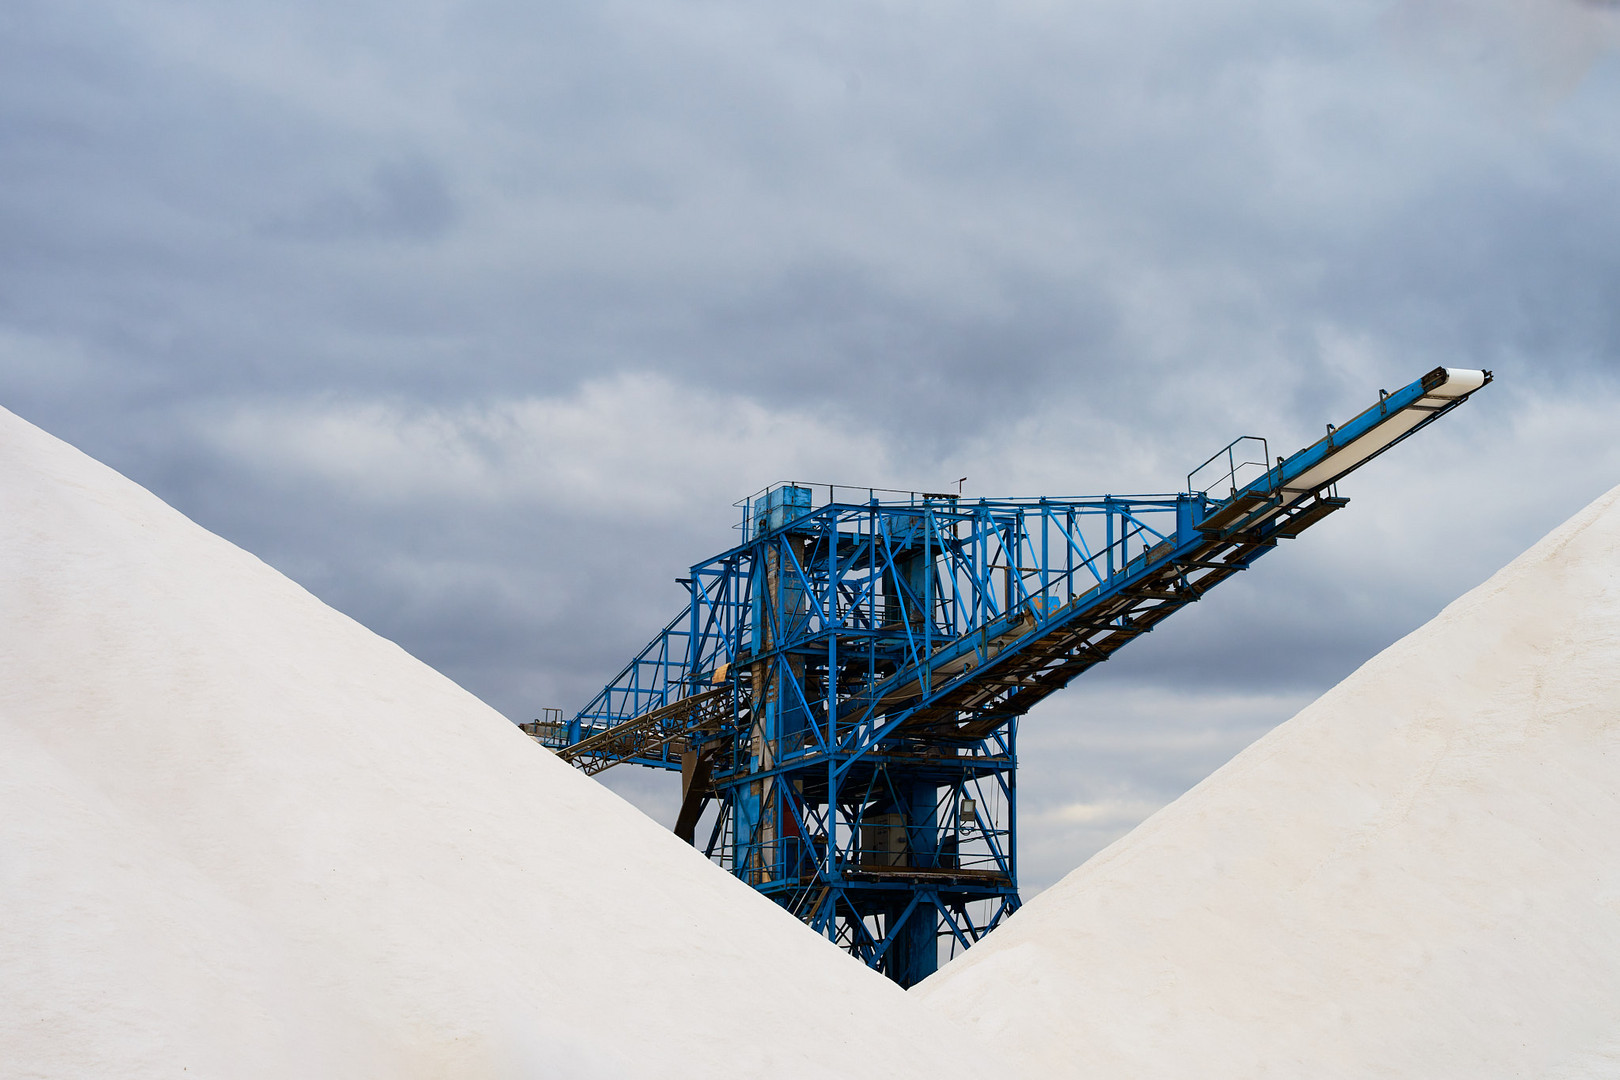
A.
pixel 474 317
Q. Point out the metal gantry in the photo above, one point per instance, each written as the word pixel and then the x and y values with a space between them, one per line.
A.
pixel 845 685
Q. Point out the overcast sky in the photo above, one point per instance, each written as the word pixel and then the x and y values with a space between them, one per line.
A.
pixel 476 317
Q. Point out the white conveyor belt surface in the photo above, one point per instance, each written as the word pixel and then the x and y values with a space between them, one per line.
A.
pixel 1459 383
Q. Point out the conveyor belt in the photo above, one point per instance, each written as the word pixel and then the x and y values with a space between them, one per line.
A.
pixel 1034 658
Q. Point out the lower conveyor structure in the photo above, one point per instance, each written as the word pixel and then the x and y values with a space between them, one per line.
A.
pixel 841 695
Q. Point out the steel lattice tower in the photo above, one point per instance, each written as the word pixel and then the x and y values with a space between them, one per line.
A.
pixel 845 685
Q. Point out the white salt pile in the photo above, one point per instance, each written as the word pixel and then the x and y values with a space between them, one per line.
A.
pixel 242 836
pixel 1417 876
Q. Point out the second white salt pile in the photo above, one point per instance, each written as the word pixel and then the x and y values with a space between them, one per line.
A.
pixel 1417 876
pixel 242 836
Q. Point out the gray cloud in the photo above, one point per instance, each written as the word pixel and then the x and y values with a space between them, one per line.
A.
pixel 406 200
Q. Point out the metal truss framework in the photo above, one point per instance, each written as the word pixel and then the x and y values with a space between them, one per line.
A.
pixel 845 685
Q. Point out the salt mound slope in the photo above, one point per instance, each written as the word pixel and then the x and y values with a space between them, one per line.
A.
pixel 240 835
pixel 1418 875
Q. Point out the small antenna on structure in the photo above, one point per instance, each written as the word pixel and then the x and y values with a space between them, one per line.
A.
pixel 959 484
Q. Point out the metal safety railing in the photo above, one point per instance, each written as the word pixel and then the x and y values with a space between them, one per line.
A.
pixel 829 494
pixel 1241 468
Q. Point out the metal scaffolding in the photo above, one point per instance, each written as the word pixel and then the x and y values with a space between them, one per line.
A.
pixel 845 685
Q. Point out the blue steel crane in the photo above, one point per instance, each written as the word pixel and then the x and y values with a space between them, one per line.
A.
pixel 844 686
